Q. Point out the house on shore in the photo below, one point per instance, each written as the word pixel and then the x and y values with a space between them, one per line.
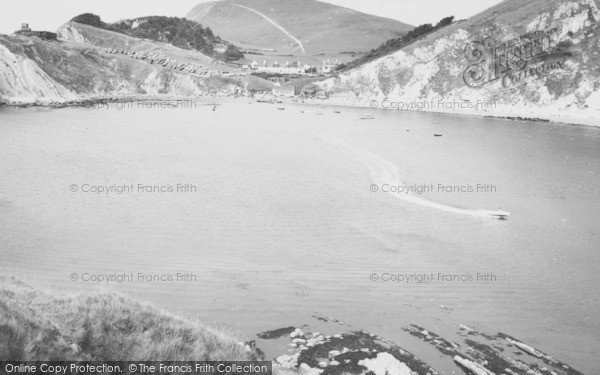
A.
pixel 293 68
pixel 310 90
pixel 26 31
pixel 322 94
pixel 285 91
pixel 220 48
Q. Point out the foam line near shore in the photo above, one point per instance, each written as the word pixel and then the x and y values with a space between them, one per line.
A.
pixel 384 172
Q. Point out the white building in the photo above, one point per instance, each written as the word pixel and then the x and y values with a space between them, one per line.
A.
pixel 220 48
pixel 329 66
pixel 276 68
pixel 285 91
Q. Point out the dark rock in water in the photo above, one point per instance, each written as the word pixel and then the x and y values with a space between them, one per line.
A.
pixel 496 362
pixel 548 360
pixel 329 319
pixel 495 357
pixel 441 344
pixel 362 352
pixel 276 333
pixel 320 318
pixel 354 347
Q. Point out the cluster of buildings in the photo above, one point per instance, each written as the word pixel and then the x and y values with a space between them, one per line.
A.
pixel 292 68
pixel 26 31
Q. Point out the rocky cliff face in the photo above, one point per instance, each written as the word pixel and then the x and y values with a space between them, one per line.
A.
pixel 81 67
pixel 520 58
pixel 22 80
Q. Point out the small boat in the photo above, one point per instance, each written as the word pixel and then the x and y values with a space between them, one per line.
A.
pixel 366 117
pixel 437 135
pixel 337 112
pixel 281 108
pixel 500 215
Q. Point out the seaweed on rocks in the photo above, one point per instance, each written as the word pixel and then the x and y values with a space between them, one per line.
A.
pixel 355 352
pixel 548 360
pixel 441 344
pixel 497 362
pixel 478 358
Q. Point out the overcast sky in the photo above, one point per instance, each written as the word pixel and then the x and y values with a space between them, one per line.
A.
pixel 50 14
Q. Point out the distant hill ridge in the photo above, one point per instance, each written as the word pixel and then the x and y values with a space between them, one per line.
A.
pixel 296 26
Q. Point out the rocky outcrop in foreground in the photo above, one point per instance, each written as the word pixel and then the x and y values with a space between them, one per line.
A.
pixel 361 352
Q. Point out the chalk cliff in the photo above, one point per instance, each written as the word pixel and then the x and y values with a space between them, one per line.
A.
pixel 535 58
pixel 88 63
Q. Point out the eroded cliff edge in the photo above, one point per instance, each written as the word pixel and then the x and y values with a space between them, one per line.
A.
pixel 534 59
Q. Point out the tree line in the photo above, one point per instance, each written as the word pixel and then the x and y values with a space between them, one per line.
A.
pixel 179 32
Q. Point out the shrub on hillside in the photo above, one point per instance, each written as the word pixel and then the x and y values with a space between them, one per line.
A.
pixel 232 54
pixel 89 19
pixel 396 44
pixel 180 32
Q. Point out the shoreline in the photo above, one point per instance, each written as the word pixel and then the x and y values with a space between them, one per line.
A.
pixel 506 113
pixel 92 102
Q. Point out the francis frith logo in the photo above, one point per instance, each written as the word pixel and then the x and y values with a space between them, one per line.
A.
pixel 513 62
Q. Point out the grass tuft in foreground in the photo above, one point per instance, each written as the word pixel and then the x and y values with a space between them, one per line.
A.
pixel 40 326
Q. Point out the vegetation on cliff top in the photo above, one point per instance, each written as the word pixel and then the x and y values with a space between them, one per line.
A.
pixel 396 44
pixel 179 32
pixel 102 326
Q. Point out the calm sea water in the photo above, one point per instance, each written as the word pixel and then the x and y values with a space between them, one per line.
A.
pixel 283 223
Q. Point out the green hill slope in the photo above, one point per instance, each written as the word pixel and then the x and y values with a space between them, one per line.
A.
pixel 178 32
pixel 296 26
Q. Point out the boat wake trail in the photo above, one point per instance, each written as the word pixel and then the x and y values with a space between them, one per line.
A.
pixel 385 173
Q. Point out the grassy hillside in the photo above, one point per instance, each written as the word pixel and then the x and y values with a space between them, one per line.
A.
pixel 39 326
pixel 40 71
pixel 77 32
pixel 179 32
pixel 320 27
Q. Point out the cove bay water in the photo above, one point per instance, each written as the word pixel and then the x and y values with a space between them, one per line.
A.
pixel 255 218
